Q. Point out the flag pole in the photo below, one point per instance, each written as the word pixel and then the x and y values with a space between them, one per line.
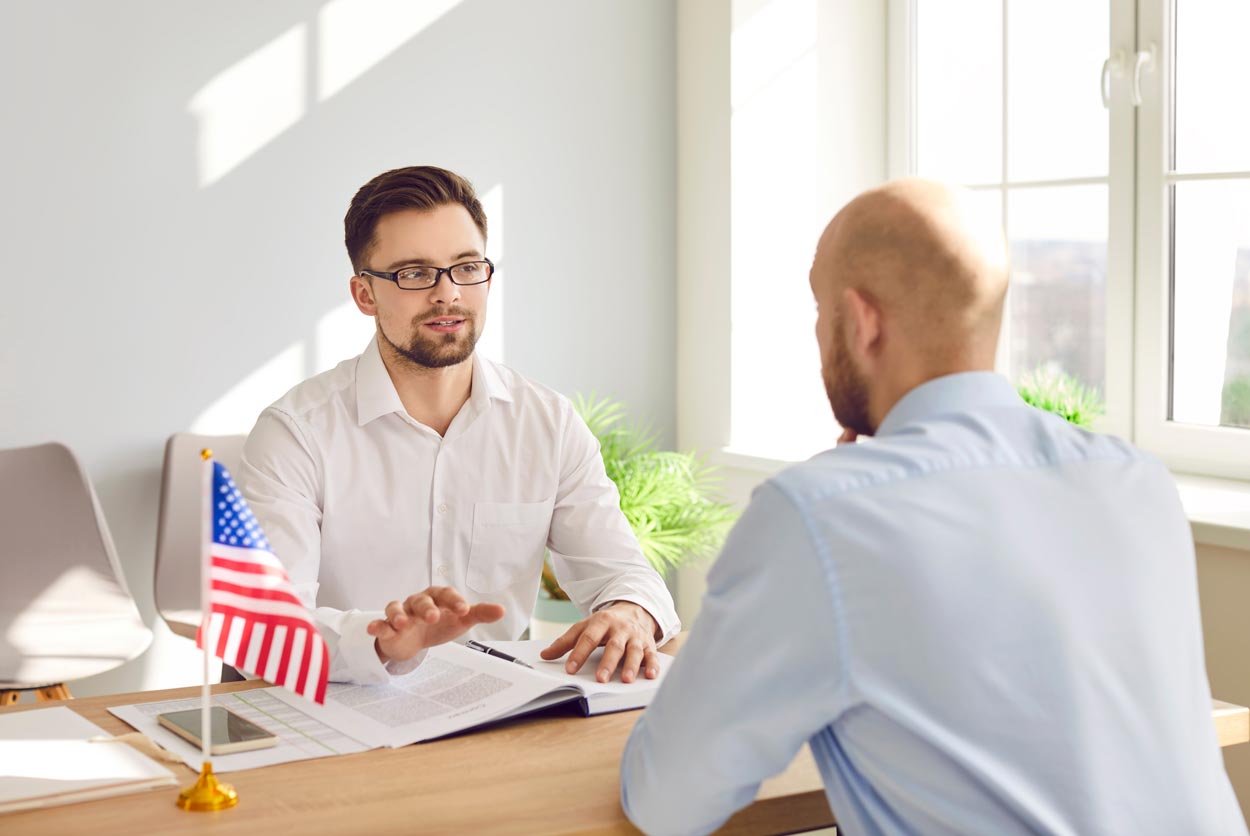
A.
pixel 206 793
pixel 206 607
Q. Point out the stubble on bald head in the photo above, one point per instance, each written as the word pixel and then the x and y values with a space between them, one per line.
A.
pixel 930 262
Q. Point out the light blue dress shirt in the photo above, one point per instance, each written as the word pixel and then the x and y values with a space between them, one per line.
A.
pixel 983 620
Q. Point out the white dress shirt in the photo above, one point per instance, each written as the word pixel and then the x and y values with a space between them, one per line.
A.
pixel 983 621
pixel 365 505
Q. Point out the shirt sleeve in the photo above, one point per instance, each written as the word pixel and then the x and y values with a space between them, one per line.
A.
pixel 595 555
pixel 757 677
pixel 280 476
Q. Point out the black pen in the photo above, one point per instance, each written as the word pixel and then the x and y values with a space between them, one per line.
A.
pixel 498 654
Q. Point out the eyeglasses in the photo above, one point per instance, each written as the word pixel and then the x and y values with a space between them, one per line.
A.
pixel 424 277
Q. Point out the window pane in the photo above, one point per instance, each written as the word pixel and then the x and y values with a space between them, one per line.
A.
pixel 1212 75
pixel 959 102
pixel 1211 311
pixel 1057 298
pixel 1056 124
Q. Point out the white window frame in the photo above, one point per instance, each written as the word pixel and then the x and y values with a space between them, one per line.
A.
pixel 1137 284
pixel 1209 451
pixel 1138 340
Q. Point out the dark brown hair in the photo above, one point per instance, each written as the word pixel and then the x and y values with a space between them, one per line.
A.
pixel 414 187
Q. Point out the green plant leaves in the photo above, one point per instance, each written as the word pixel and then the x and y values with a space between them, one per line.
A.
pixel 667 497
pixel 1062 394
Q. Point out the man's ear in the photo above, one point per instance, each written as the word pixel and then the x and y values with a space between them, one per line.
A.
pixel 864 326
pixel 362 295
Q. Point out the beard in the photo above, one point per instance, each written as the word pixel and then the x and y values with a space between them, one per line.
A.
pixel 846 387
pixel 439 350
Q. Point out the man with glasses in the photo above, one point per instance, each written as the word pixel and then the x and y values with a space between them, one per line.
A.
pixel 422 474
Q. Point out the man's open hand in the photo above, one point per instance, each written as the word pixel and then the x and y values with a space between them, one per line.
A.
pixel 437 615
pixel 627 632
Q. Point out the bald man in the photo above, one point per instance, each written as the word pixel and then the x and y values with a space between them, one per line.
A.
pixel 981 619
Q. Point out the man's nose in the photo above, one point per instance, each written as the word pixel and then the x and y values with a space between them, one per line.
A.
pixel 445 291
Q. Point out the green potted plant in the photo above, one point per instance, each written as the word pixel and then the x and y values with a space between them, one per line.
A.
pixel 1061 393
pixel 667 497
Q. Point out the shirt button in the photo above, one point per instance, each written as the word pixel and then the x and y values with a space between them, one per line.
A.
pixel 442 570
pixel 442 509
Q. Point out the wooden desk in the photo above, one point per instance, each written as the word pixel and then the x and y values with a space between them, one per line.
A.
pixel 550 774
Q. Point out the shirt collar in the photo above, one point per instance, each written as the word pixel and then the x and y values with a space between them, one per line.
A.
pixel 950 393
pixel 488 384
pixel 376 395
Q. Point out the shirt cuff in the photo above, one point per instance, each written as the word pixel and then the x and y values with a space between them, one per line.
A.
pixel 667 631
pixel 356 651
pixel 358 656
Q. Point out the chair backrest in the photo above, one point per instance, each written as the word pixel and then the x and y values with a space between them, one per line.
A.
pixel 65 611
pixel 178 543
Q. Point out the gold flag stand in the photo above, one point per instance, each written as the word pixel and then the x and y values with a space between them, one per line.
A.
pixel 207 794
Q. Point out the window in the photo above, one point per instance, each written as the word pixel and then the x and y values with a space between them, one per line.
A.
pixel 1193 246
pixel 1126 203
pixel 995 106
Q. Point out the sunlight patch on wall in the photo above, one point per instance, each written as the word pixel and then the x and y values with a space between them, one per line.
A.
pixel 236 411
pixel 247 106
pixel 491 341
pixel 355 35
pixel 342 333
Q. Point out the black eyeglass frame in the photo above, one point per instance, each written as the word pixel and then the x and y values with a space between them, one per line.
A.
pixel 438 275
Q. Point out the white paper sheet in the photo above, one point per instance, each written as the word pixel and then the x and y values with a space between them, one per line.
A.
pixel 528 651
pixel 300 736
pixel 46 758
pixel 453 689
pixel 456 689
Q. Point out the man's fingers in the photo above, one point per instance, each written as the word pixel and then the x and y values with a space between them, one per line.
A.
pixel 634 655
pixel 422 607
pixel 380 629
pixel 395 615
pixel 612 653
pixel 590 638
pixel 448 598
pixel 651 663
pixel 564 643
pixel 484 613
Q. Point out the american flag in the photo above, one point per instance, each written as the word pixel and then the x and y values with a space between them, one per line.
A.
pixel 256 622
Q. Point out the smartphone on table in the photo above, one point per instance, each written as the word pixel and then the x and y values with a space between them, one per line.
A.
pixel 230 732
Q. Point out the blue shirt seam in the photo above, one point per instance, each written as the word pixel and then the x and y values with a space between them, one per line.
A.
pixel 911 473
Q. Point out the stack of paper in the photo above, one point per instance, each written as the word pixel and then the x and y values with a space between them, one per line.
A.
pixel 46 758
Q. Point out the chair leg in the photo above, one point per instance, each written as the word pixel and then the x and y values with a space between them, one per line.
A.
pixel 10 697
pixel 54 692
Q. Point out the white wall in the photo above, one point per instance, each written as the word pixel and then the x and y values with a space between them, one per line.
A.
pixel 174 178
pixel 1224 588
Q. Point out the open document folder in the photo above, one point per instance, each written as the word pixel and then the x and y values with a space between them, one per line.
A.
pixel 47 757
pixel 454 689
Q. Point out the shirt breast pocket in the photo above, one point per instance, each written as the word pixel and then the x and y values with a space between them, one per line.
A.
pixel 509 539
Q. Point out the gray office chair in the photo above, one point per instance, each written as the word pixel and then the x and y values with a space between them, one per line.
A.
pixel 178 543
pixel 65 612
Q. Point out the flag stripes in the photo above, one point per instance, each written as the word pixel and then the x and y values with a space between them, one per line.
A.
pixel 256 621
pixel 289 658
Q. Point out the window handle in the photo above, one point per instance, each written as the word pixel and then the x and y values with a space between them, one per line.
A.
pixel 1144 60
pixel 1113 66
